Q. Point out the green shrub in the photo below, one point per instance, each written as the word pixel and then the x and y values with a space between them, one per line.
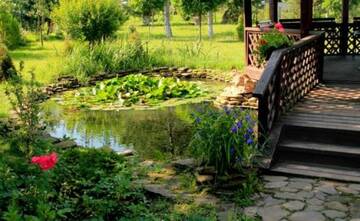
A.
pixel 85 184
pixel 7 68
pixel 88 19
pixel 106 57
pixel 225 139
pixel 10 32
pixel 25 98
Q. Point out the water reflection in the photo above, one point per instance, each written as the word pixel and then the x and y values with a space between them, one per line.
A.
pixel 154 134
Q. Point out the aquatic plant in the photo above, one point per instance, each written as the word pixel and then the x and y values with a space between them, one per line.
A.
pixel 140 89
pixel 225 139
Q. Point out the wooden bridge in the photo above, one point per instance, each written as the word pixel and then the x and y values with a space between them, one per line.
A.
pixel 309 98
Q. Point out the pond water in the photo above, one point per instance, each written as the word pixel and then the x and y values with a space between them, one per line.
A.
pixel 152 133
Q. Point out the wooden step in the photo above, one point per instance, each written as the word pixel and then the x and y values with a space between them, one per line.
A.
pixel 317 170
pixel 320 148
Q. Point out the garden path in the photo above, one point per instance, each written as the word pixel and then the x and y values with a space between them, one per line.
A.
pixel 303 199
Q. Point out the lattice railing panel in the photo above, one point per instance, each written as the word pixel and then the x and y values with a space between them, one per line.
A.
pixel 332 38
pixel 353 39
pixel 290 74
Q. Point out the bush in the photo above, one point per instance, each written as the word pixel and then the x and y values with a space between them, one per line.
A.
pixel 10 32
pixel 106 57
pixel 85 184
pixel 25 98
pixel 7 69
pixel 89 20
pixel 225 139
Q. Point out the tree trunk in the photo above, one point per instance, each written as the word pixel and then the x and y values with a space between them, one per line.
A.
pixel 167 19
pixel 211 24
pixel 146 20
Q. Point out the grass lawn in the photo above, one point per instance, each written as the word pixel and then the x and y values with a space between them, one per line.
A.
pixel 223 52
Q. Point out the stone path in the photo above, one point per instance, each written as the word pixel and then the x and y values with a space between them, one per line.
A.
pixel 303 199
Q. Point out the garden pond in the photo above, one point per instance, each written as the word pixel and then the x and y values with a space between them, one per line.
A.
pixel 159 133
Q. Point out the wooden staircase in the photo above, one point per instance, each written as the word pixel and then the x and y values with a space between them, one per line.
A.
pixel 320 137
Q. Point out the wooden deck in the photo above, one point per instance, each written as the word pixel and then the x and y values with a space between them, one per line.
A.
pixel 320 136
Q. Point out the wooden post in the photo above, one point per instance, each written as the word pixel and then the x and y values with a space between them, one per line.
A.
pixel 273 6
pixel 306 16
pixel 247 13
pixel 344 27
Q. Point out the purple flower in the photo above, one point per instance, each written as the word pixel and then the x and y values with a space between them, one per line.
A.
pixel 198 120
pixel 234 129
pixel 248 118
pixel 250 141
pixel 247 136
pixel 239 124
pixel 250 131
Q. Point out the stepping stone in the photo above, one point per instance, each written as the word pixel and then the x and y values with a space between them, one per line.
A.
pixel 273 213
pixel 355 187
pixel 336 206
pixel 159 190
pixel 270 201
pixel 302 180
pixel 185 164
pixel 294 205
pixel 204 178
pixel 347 190
pixel 327 189
pixel 277 184
pixel 315 202
pixel 251 211
pixel 274 178
pixel 307 216
pixel 332 214
pixel 288 189
pixel 301 186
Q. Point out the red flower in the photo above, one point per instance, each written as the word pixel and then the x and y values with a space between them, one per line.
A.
pixel 262 42
pixel 279 27
pixel 45 162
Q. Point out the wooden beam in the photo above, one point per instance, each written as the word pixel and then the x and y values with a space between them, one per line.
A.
pixel 273 7
pixel 306 16
pixel 247 13
pixel 344 27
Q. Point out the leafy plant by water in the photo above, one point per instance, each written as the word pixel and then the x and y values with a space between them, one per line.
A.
pixel 225 139
pixel 139 89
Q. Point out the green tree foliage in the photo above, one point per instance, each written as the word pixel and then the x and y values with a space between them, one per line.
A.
pixel 89 20
pixel 146 8
pixel 27 12
pixel 10 32
pixel 199 8
pixel 233 11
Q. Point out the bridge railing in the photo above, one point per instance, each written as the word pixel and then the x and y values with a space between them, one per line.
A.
pixel 288 76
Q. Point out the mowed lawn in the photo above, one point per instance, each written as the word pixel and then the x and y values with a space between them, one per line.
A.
pixel 223 52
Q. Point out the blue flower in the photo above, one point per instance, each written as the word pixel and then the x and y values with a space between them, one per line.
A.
pixel 250 131
pixel 248 118
pixel 250 141
pixel 239 124
pixel 234 129
pixel 247 136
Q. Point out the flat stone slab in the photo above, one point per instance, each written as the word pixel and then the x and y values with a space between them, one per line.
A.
pixel 332 214
pixel 336 206
pixel 273 213
pixel 66 144
pixel 294 205
pixel 307 216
